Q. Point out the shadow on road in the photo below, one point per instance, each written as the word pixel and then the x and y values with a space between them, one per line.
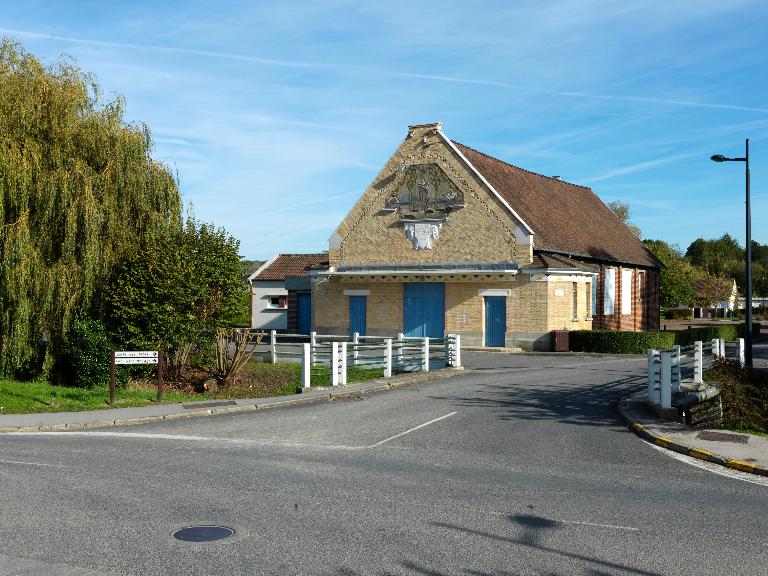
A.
pixel 534 529
pixel 586 405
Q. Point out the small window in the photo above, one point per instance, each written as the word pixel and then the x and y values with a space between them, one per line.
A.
pixel 278 302
pixel 588 300
pixel 575 300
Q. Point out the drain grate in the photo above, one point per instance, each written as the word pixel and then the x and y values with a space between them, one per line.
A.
pixel 723 437
pixel 209 404
pixel 203 533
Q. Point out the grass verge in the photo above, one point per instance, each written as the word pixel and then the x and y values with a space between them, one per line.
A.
pixel 257 380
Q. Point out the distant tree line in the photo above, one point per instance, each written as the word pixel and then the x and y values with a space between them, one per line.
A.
pixel 718 258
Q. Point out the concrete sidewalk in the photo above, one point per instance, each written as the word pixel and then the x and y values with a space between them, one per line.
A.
pixel 57 421
pixel 745 452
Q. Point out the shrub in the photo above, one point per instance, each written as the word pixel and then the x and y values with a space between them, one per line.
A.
pixel 744 393
pixel 85 354
pixel 677 313
pixel 615 342
pixel 707 333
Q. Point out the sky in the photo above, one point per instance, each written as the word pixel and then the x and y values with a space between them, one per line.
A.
pixel 278 115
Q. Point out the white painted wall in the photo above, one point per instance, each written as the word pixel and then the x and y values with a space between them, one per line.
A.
pixel 263 316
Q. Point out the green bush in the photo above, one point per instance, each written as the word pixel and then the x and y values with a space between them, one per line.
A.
pixel 707 333
pixel 85 355
pixel 677 313
pixel 744 393
pixel 614 342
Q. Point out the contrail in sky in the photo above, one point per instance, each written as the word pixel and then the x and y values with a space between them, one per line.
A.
pixel 328 66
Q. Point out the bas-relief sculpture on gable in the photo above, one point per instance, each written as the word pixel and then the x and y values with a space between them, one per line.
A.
pixel 424 199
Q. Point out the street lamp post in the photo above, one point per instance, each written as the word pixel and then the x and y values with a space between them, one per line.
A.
pixel 748 315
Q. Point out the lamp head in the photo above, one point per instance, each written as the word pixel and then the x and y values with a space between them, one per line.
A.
pixel 720 158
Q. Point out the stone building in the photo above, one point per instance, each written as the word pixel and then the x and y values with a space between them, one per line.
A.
pixel 449 240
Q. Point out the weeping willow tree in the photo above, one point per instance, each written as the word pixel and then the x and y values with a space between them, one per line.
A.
pixel 78 191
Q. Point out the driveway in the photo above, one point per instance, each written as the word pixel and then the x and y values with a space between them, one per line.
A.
pixel 520 466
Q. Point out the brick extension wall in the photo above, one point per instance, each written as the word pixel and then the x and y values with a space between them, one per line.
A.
pixel 645 301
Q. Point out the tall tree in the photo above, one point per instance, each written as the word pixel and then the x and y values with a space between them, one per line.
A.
pixel 78 189
pixel 677 276
pixel 621 209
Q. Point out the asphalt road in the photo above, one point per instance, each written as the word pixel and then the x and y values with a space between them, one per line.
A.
pixel 521 466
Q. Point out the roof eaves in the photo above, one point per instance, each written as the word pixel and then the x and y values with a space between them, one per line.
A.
pixel 263 267
pixel 484 181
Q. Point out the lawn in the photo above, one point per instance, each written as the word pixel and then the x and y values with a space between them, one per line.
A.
pixel 257 380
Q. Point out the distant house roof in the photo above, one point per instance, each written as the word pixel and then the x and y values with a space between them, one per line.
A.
pixel 566 218
pixel 701 285
pixel 282 265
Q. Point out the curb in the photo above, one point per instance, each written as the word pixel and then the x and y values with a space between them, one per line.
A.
pixel 644 432
pixel 282 402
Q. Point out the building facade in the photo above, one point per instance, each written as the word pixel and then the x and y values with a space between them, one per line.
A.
pixel 449 240
pixel 281 292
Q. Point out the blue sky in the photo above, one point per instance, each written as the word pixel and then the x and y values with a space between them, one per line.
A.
pixel 277 115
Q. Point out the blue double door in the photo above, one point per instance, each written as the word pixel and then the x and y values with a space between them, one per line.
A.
pixel 495 321
pixel 424 309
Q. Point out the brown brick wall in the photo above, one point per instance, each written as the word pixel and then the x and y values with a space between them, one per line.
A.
pixel 645 301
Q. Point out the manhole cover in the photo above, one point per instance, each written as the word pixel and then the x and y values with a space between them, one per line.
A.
pixel 723 437
pixel 203 533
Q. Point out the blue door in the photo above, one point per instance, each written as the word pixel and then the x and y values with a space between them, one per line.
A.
pixel 424 309
pixel 495 320
pixel 304 305
pixel 357 315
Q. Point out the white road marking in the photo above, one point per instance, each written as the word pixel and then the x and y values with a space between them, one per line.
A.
pixel 239 441
pixel 594 524
pixel 411 430
pixel 714 468
pixel 35 464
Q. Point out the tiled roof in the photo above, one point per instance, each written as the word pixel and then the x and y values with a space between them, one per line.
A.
pixel 565 217
pixel 704 283
pixel 546 261
pixel 284 265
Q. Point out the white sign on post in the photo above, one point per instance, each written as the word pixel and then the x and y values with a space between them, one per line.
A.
pixel 136 357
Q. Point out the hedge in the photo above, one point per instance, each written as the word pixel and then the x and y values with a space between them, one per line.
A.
pixel 678 313
pixel 614 342
pixel 707 333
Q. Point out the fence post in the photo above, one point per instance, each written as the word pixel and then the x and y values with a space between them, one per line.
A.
pixel 401 343
pixel 425 359
pixel 355 342
pixel 334 363
pixel 388 359
pixel 306 365
pixel 313 343
pixel 273 346
pixel 722 348
pixel 666 379
pixel 715 348
pixel 741 352
pixel 652 375
pixel 343 363
pixel 457 351
pixel 698 368
pixel 676 375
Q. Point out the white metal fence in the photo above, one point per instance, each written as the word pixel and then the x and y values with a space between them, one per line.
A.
pixel 668 370
pixel 329 357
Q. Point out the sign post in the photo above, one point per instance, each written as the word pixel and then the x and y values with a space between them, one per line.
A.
pixel 136 357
